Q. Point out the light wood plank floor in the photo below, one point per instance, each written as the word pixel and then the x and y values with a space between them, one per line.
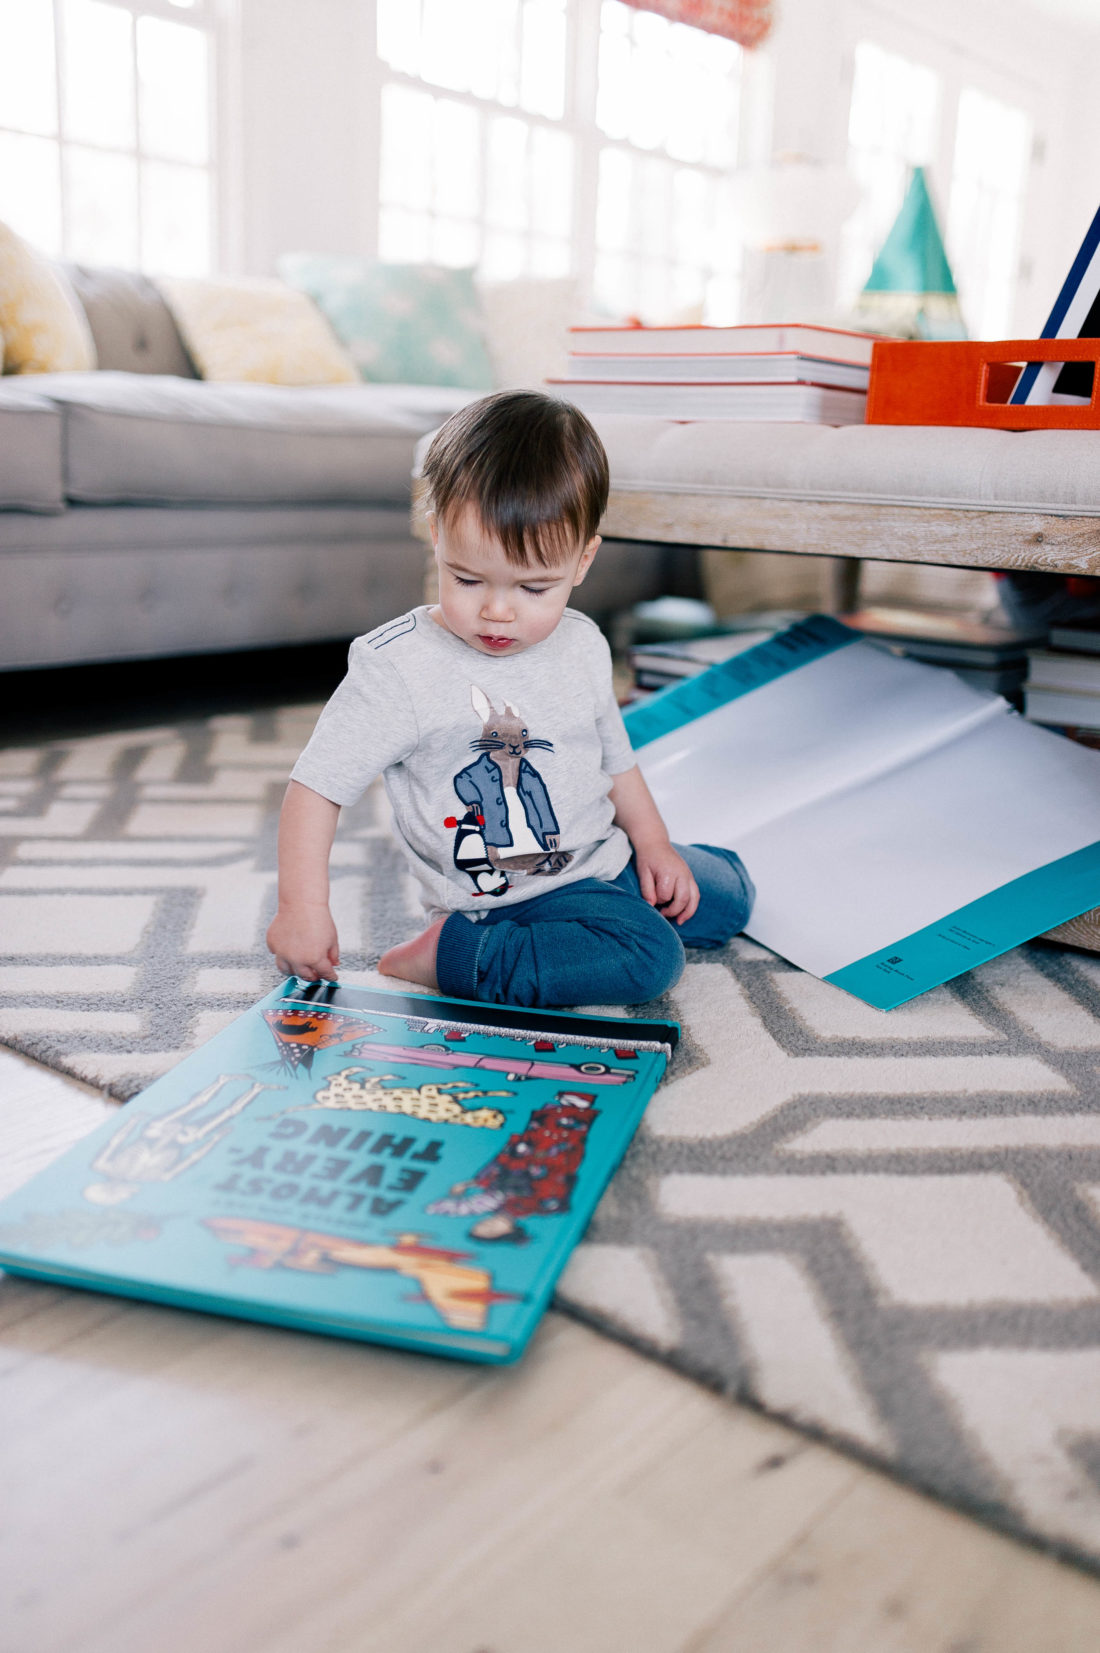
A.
pixel 175 1482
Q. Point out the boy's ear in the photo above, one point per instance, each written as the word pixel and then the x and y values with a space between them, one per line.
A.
pixel 587 557
pixel 433 528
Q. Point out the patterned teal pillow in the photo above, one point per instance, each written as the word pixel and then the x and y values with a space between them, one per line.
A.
pixel 411 324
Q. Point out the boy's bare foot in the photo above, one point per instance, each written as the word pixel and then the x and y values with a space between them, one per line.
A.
pixel 414 960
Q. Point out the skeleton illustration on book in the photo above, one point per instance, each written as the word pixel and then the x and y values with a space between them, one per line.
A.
pixel 533 1175
pixel 157 1149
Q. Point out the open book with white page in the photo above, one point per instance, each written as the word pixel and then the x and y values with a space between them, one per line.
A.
pixel 900 826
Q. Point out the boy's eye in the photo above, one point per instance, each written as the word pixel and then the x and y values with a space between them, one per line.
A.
pixel 536 590
pixel 461 581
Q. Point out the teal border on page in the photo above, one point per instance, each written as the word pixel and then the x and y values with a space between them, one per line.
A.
pixel 1018 911
pixel 681 703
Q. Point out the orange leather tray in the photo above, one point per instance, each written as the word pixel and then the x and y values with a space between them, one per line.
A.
pixel 967 383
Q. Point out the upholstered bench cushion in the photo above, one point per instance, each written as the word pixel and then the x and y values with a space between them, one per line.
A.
pixel 146 439
pixel 1055 472
pixel 30 450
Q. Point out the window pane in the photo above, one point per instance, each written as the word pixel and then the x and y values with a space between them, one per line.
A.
pixel 173 90
pixel 542 70
pixel 550 258
pixel 399 34
pixel 451 43
pixel 457 159
pixel 688 96
pixel 508 196
pixel 454 242
pixel 892 127
pixel 101 207
pixel 504 256
pixel 552 182
pixel 613 86
pixel 28 79
pixel 496 71
pixel 613 284
pixel 406 160
pixel 97 62
pixel 613 199
pixel 655 208
pixel 992 150
pixel 648 73
pixel 30 189
pixel 403 237
pixel 693 217
pixel 175 219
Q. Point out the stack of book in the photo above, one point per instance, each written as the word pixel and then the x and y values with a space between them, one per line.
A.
pixel 656 665
pixel 796 373
pixel 985 655
pixel 1063 680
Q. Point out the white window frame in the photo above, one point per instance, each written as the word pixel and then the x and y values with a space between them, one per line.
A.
pixel 204 15
pixel 578 122
pixel 961 65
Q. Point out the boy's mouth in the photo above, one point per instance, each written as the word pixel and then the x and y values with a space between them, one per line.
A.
pixel 495 642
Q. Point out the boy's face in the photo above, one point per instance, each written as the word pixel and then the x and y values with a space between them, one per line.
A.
pixel 496 606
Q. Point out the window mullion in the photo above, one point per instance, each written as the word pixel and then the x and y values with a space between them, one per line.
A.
pixel 583 71
pixel 139 141
pixel 59 81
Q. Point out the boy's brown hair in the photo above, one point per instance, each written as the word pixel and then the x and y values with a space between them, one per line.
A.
pixel 531 466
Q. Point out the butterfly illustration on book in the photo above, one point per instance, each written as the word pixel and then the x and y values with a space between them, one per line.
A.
pixel 300 1034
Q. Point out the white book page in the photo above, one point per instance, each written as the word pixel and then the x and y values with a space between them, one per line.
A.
pixel 823 728
pixel 850 874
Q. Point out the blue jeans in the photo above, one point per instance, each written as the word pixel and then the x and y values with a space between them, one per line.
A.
pixel 592 942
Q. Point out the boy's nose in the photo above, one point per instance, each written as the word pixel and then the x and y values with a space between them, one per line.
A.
pixel 496 606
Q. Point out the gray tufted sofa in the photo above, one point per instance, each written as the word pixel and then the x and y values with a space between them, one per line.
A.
pixel 146 515
pixel 146 512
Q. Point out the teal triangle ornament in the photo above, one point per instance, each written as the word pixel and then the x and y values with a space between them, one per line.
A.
pixel 911 290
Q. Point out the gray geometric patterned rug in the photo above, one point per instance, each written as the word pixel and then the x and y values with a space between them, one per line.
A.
pixel 882 1228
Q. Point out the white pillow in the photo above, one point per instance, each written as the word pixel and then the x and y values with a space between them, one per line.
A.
pixel 527 328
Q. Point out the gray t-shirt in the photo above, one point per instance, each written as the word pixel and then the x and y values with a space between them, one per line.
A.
pixel 498 771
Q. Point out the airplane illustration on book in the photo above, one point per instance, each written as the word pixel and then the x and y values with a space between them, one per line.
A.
pixel 512 1067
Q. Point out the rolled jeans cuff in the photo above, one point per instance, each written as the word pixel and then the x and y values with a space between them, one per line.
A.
pixel 457 955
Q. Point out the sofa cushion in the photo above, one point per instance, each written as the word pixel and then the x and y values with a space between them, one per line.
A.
pixel 133 438
pixel 43 326
pixel 30 450
pixel 401 323
pixel 132 326
pixel 964 469
pixel 249 328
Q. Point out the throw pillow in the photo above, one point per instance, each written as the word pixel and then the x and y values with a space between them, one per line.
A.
pixel 527 325
pixel 42 324
pixel 131 325
pixel 248 328
pixel 411 324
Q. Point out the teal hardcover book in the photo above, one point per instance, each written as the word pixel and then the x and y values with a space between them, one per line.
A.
pixel 377 1165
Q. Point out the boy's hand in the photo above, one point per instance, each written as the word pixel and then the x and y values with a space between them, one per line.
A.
pixel 304 942
pixel 666 881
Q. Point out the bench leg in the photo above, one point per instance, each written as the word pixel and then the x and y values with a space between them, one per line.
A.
pixel 844 584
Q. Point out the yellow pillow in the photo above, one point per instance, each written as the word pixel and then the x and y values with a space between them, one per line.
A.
pixel 241 327
pixel 42 325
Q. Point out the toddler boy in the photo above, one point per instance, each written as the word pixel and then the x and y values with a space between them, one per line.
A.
pixel 547 872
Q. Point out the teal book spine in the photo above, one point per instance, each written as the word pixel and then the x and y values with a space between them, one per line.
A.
pixel 386 1166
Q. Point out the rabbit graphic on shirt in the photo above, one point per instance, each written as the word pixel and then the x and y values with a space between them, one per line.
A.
pixel 507 798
